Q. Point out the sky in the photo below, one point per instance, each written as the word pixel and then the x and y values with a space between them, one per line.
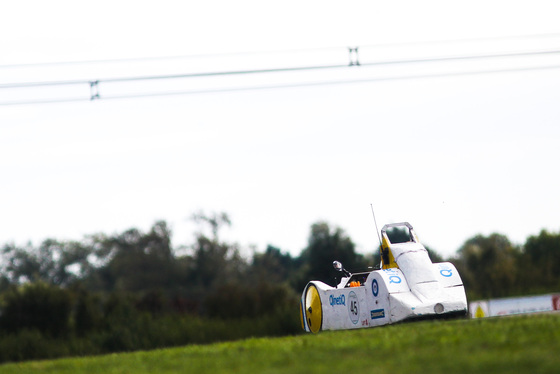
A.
pixel 456 147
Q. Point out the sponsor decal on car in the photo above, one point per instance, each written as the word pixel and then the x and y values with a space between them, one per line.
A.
pixel 375 287
pixel 353 307
pixel 394 276
pixel 445 270
pixel 377 313
pixel 340 300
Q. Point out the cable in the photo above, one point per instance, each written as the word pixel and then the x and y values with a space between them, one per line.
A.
pixel 247 53
pixel 348 81
pixel 45 101
pixel 276 70
pixel 162 58
pixel 295 85
pixel 466 40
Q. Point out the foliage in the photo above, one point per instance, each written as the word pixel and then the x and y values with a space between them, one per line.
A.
pixel 488 265
pixel 130 291
pixel 234 300
pixel 541 262
pixel 142 332
pixel 133 290
pixel 134 260
pixel 37 306
pixel 274 266
pixel 326 245
pixel 54 262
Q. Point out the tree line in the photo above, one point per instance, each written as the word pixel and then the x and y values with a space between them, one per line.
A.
pixel 134 290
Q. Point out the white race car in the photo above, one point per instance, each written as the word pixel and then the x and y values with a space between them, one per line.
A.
pixel 407 286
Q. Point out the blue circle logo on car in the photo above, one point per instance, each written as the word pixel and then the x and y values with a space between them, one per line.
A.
pixel 446 273
pixel 375 287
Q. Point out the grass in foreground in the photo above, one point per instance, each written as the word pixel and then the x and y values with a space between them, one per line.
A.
pixel 499 345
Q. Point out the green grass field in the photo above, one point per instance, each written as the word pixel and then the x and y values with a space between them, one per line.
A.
pixel 520 344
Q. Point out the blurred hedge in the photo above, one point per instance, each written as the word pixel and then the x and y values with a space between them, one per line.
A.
pixel 41 321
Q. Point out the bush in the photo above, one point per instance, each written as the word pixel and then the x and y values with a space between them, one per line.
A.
pixel 238 301
pixel 143 333
pixel 41 321
pixel 30 344
pixel 37 306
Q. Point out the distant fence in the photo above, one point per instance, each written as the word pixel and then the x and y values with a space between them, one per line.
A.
pixel 514 305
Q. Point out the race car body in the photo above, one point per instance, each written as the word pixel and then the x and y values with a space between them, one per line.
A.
pixel 407 286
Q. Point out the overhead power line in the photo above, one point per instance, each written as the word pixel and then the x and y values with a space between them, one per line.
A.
pixel 343 81
pixel 285 51
pixel 294 85
pixel 274 70
pixel 353 63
